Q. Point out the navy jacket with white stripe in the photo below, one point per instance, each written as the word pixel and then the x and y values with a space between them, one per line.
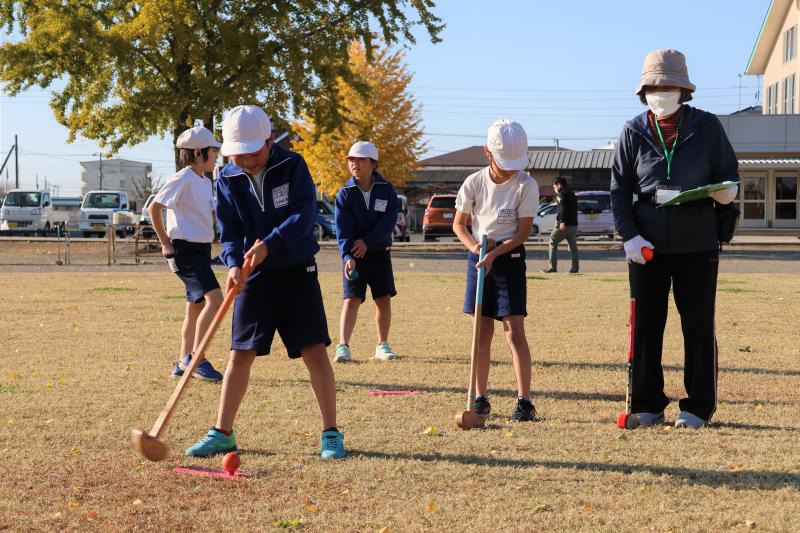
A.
pixel 373 223
pixel 283 217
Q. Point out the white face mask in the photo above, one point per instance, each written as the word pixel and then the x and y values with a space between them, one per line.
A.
pixel 663 103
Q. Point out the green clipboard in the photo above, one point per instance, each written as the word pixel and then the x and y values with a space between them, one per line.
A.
pixel 699 193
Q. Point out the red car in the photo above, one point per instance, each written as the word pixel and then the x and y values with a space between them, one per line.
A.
pixel 438 218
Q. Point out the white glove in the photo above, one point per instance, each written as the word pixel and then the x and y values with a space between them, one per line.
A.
pixel 633 249
pixel 725 196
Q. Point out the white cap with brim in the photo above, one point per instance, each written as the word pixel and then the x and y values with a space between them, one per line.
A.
pixel 363 149
pixel 197 138
pixel 245 130
pixel 508 144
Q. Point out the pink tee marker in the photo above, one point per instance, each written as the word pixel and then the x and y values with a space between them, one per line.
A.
pixel 211 472
pixel 378 392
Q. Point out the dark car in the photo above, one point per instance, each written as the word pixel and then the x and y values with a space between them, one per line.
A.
pixel 325 225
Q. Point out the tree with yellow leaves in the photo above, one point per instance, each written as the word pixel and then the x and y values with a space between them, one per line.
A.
pixel 380 111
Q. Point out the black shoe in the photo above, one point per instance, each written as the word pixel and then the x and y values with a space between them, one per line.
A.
pixel 482 406
pixel 573 271
pixel 549 271
pixel 524 411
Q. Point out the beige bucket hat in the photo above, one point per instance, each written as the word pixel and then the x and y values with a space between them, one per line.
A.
pixel 665 68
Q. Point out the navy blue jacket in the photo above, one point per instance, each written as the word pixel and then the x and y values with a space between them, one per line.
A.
pixel 283 217
pixel 703 156
pixel 374 224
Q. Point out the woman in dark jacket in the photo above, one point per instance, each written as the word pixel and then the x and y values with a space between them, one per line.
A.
pixel 670 148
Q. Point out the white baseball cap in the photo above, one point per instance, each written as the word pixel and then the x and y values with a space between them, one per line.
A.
pixel 363 149
pixel 197 138
pixel 245 130
pixel 508 143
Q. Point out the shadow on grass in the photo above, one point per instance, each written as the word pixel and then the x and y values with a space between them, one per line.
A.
pixel 743 479
pixel 602 366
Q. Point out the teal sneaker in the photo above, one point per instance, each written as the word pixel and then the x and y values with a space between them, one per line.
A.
pixel 384 352
pixel 343 354
pixel 215 442
pixel 332 445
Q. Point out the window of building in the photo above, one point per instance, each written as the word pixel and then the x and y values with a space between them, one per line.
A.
pixel 786 197
pixel 772 99
pixel 788 95
pixel 789 44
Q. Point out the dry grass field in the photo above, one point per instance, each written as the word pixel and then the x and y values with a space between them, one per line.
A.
pixel 85 357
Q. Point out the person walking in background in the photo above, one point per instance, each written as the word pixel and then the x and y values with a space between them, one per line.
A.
pixel 670 148
pixel 566 226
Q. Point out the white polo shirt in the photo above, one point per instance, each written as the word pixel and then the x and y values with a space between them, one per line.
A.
pixel 189 199
pixel 496 208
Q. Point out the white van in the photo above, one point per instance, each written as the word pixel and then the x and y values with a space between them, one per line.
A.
pixel 594 213
pixel 101 208
pixel 29 211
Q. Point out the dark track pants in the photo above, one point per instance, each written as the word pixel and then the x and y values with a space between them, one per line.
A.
pixel 693 277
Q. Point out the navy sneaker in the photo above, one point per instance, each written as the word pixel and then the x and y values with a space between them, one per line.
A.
pixel 524 411
pixel 482 406
pixel 177 371
pixel 204 371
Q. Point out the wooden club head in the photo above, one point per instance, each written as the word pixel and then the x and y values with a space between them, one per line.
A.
pixel 469 419
pixel 149 446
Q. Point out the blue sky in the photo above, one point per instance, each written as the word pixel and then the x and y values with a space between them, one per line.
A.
pixel 564 70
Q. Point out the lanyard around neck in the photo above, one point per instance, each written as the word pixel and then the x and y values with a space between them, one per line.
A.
pixel 668 155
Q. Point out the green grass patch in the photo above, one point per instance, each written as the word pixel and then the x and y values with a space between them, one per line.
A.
pixel 536 277
pixel 612 280
pixel 7 387
pixel 734 290
pixel 731 282
pixel 113 289
pixel 174 297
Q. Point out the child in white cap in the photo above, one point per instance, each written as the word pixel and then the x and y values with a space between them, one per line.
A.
pixel 266 207
pixel 366 212
pixel 186 241
pixel 502 200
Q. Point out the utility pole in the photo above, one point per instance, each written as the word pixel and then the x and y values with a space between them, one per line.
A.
pixel 16 161
pixel 37 181
pixel 100 169
pixel 740 92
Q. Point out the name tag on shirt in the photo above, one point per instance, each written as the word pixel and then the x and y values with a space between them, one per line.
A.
pixel 665 194
pixel 506 216
pixel 280 196
pixel 380 205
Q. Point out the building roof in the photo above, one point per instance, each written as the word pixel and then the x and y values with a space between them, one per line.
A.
pixel 770 162
pixel 752 110
pixel 472 156
pixel 560 160
pixel 768 36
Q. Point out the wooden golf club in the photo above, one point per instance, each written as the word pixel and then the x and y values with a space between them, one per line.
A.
pixel 628 420
pixel 149 444
pixel 470 419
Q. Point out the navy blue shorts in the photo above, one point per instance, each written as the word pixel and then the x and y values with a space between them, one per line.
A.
pixel 193 260
pixel 505 289
pixel 289 301
pixel 375 270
